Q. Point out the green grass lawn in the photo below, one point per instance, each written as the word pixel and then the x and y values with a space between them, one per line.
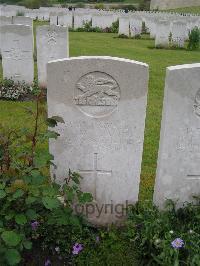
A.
pixel 193 10
pixel 12 114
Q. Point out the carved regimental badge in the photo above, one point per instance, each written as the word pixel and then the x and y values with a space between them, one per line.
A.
pixel 197 103
pixel 97 94
pixel 51 37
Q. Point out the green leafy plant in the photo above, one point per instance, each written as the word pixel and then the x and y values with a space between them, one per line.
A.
pixel 20 13
pixel 194 39
pixel 30 201
pixel 169 237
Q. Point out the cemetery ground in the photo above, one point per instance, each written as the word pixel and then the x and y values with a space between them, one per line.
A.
pixel 113 247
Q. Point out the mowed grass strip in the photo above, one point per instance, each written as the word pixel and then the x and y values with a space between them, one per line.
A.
pixel 12 114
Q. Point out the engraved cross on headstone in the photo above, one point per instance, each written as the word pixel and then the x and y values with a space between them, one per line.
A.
pixel 95 171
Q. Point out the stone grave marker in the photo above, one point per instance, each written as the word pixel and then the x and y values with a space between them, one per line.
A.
pixel 103 103
pixel 123 26
pixel 23 20
pixel 52 44
pixel 179 33
pixel 4 21
pixel 162 33
pixel 17 52
pixel 178 171
pixel 135 26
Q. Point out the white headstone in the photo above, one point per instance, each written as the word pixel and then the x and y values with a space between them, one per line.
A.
pixel 124 26
pixel 178 172
pixel 53 19
pixel 17 52
pixel 103 103
pixel 162 33
pixel 23 20
pixel 4 21
pixel 65 20
pixel 52 44
pixel 135 26
pixel 178 33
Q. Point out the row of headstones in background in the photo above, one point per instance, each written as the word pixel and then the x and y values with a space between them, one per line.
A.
pixel 178 33
pixel 161 31
pixel 17 48
pixel 103 103
pixel 16 20
pixel 130 26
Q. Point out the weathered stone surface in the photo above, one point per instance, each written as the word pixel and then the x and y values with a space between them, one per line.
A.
pixel 103 103
pixel 17 52
pixel 23 20
pixel 4 21
pixel 178 172
pixel 52 44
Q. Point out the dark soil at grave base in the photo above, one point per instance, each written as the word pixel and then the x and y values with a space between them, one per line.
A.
pixel 36 257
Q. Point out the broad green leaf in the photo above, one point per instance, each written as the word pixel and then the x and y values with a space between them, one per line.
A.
pixel 51 203
pixel 2 194
pixel 32 215
pixel 52 121
pixel 27 244
pixel 11 238
pixel 52 134
pixel 12 256
pixel 10 215
pixel 20 219
pixel 30 200
pixel 19 193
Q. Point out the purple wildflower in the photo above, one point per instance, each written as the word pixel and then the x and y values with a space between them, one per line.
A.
pixel 47 263
pixel 177 243
pixel 34 225
pixel 97 239
pixel 77 248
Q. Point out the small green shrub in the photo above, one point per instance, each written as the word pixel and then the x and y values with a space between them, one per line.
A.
pixel 31 204
pixel 194 39
pixel 20 13
pixel 169 237
pixel 123 36
pixel 115 27
pixel 99 6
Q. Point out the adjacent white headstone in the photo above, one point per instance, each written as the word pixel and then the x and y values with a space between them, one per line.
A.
pixel 65 20
pixel 135 26
pixel 178 33
pixel 17 52
pixel 103 103
pixel 178 172
pixel 52 44
pixel 53 19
